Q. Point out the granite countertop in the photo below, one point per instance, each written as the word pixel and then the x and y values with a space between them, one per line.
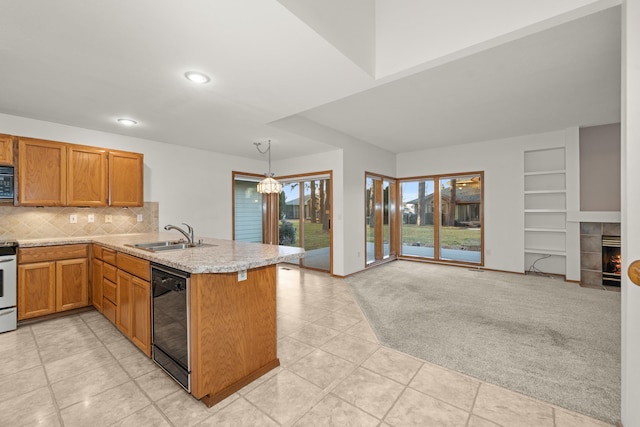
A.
pixel 224 256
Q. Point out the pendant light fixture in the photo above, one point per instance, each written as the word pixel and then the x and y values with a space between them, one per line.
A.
pixel 268 185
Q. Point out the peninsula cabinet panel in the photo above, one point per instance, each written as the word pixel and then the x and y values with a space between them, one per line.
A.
pixel 126 172
pixel 6 149
pixel 87 176
pixel 96 284
pixel 71 284
pixel 42 173
pixel 233 331
pixel 36 289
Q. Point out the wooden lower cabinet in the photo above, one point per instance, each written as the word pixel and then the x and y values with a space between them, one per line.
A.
pixel 51 280
pixel 72 286
pixel 133 313
pixel 123 314
pixel 36 289
pixel 109 310
pixel 96 283
pixel 121 285
pixel 141 314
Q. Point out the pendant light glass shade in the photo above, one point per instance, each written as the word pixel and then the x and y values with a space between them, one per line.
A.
pixel 268 185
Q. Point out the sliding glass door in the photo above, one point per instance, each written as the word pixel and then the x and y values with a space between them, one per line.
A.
pixel 442 218
pixel 305 207
pixel 461 225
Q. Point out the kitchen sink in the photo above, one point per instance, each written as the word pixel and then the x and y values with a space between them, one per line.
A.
pixel 168 245
pixel 154 244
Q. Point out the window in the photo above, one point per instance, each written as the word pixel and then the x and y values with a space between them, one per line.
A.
pixel 247 206
pixel 442 218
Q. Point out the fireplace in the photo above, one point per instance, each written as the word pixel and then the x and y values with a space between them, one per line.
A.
pixel 611 260
pixel 599 255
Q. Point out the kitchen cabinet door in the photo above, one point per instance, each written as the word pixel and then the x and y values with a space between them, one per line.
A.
pixel 71 284
pixel 6 149
pixel 124 303
pixel 86 176
pixel 126 179
pixel 96 284
pixel 141 314
pixel 42 173
pixel 36 289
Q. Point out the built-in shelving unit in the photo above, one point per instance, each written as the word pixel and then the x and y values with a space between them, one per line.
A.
pixel 545 210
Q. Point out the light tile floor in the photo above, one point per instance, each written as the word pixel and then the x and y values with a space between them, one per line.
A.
pixel 80 371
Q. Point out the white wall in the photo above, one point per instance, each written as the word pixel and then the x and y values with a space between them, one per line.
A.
pixel 191 185
pixel 503 164
pixel 630 126
pixel 349 166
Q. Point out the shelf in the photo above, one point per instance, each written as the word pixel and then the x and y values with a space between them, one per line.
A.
pixel 549 230
pixel 545 192
pixel 545 252
pixel 545 211
pixel 556 172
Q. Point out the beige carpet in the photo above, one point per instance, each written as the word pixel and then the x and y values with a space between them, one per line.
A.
pixel 540 336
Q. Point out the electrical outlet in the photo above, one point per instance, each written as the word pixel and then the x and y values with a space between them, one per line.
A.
pixel 139 217
pixel 73 219
pixel 242 275
pixel 108 219
pixel 91 218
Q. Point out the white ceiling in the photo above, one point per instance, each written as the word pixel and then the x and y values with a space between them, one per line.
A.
pixel 86 63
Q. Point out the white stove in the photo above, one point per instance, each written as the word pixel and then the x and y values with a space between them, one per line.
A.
pixel 8 286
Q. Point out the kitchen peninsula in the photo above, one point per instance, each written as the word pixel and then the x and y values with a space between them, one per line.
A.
pixel 230 303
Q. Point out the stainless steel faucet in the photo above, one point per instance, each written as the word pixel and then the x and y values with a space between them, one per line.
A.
pixel 188 235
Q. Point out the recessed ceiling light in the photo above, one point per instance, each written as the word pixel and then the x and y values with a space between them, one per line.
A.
pixel 197 77
pixel 127 122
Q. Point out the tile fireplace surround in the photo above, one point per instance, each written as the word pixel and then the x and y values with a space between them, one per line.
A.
pixel 591 251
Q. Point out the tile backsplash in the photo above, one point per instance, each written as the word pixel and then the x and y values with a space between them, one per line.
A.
pixel 18 222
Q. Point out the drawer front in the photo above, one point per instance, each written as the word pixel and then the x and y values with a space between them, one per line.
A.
pixel 136 266
pixel 109 310
pixel 96 251
pixel 109 272
pixel 52 253
pixel 109 291
pixel 109 255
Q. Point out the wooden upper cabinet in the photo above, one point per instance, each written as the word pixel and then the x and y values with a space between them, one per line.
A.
pixel 86 176
pixel 126 178
pixel 6 149
pixel 42 173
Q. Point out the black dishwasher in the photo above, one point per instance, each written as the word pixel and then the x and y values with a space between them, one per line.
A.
pixel 170 322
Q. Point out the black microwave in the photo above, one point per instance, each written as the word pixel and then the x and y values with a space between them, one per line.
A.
pixel 6 182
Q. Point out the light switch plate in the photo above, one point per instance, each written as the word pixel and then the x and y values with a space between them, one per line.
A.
pixel 139 217
pixel 73 219
pixel 108 218
pixel 242 275
pixel 91 218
